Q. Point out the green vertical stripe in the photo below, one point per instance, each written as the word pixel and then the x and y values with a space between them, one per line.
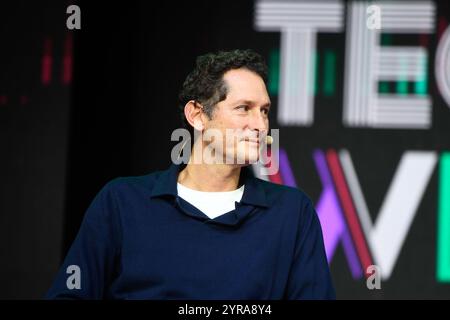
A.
pixel 329 73
pixel 274 71
pixel 402 86
pixel 443 239
pixel 420 87
pixel 383 87
pixel 386 39
pixel 421 84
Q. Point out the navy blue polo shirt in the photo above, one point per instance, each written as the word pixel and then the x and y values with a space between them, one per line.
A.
pixel 139 240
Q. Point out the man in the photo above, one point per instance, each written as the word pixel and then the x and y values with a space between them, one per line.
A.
pixel 207 229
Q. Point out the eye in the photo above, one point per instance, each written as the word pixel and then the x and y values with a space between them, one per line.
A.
pixel 265 111
pixel 243 107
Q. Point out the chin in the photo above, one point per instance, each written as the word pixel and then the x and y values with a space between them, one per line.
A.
pixel 249 160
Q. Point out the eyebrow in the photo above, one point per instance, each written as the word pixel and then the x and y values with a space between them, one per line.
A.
pixel 244 101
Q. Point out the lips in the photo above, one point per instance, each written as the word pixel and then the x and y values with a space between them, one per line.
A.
pixel 252 140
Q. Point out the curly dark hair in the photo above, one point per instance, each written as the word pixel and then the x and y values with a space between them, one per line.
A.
pixel 205 83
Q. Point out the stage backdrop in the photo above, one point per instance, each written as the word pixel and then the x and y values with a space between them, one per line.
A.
pixel 361 95
pixel 363 113
pixel 364 117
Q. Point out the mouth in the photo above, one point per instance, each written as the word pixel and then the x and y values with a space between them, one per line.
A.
pixel 251 140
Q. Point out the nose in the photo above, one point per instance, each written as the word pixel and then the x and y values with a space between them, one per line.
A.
pixel 258 121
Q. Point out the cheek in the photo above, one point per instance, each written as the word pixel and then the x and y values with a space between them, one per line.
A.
pixel 221 124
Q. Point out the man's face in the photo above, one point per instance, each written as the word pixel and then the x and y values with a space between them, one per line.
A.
pixel 244 115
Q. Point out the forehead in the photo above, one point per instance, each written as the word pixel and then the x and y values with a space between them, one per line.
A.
pixel 245 84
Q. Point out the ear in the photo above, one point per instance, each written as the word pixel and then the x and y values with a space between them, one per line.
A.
pixel 193 114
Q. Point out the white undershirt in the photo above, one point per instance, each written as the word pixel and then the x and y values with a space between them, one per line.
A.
pixel 213 204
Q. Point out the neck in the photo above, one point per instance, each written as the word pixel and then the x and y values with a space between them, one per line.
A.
pixel 210 177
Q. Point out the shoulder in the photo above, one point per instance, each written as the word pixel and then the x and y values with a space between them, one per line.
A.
pixel 292 205
pixel 140 184
pixel 286 195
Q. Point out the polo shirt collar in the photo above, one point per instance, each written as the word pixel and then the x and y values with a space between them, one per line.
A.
pixel 166 185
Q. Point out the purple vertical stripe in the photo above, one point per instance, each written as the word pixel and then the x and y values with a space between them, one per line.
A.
pixel 286 171
pixel 332 219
